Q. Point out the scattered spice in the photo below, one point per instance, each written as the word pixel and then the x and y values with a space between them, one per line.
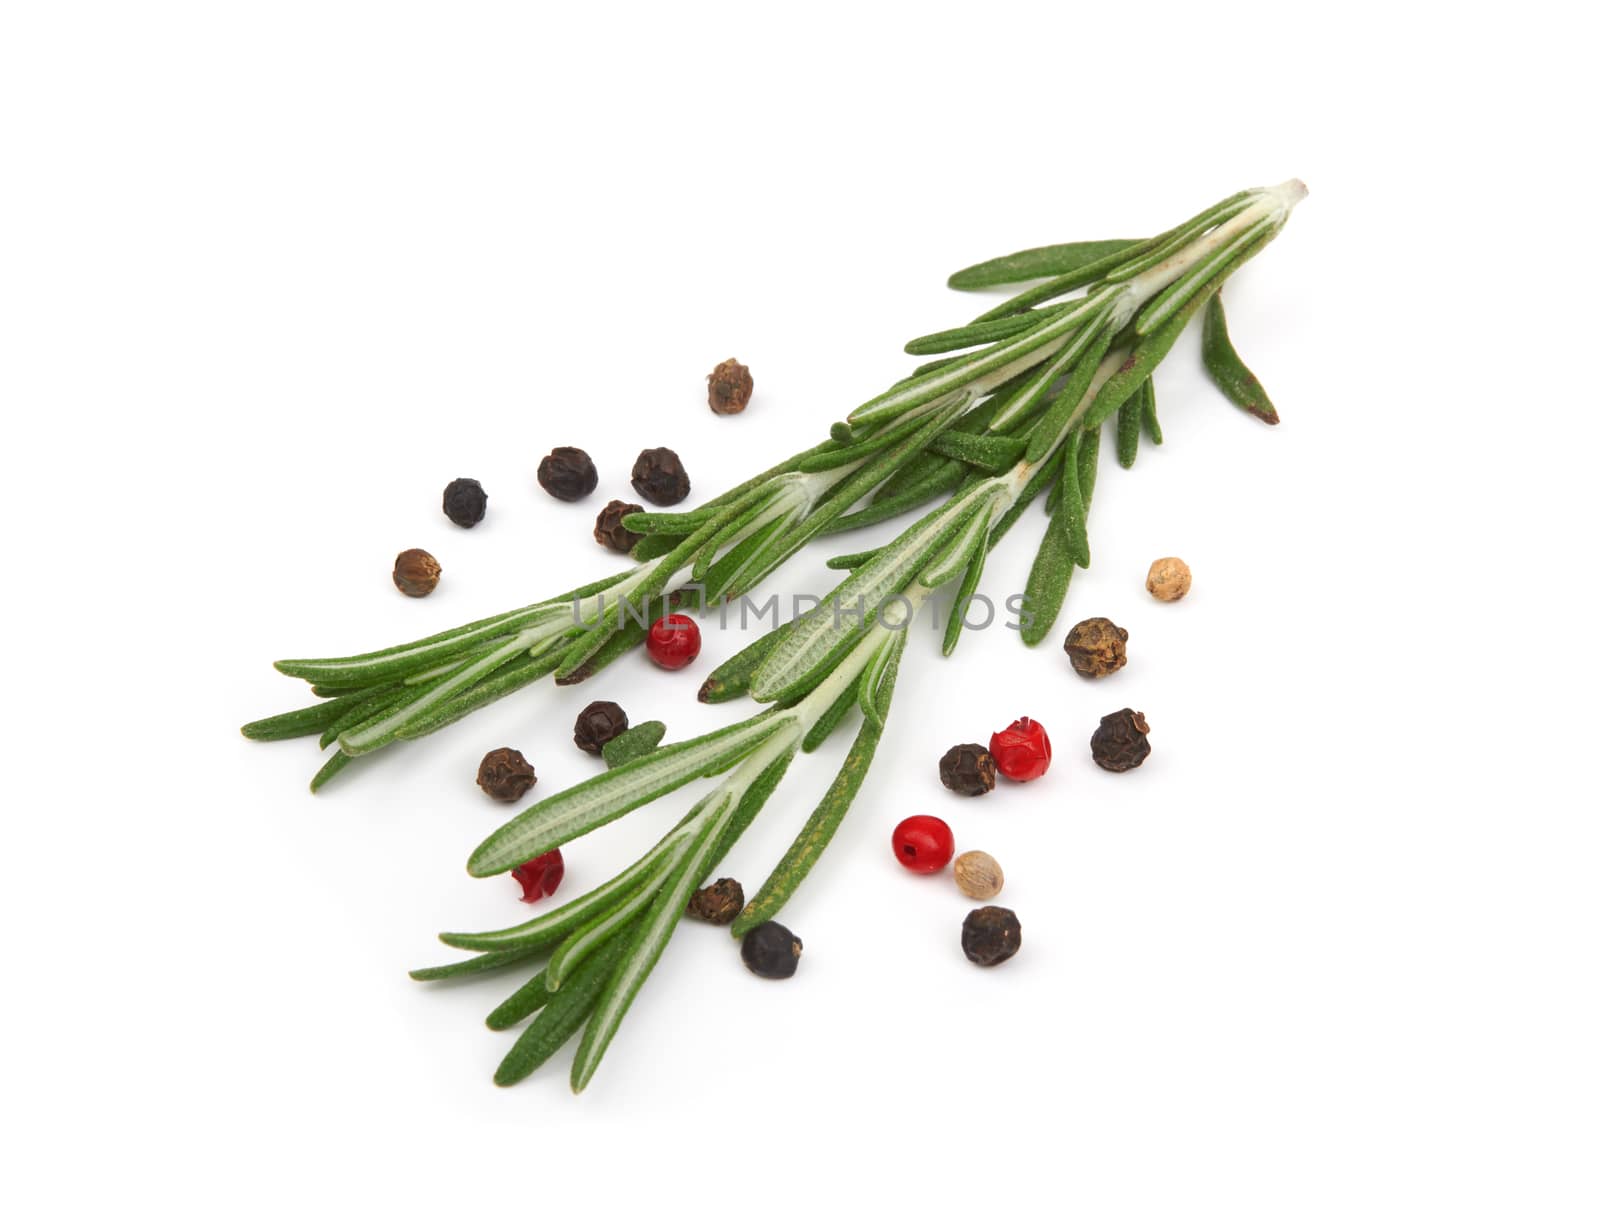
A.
pixel 608 529
pixel 658 477
pixel 730 388
pixel 674 641
pixel 598 724
pixel 990 935
pixel 641 740
pixel 978 875
pixel 568 473
pixel 1022 750
pixel 718 903
pixel 541 875
pixel 967 769
pixel 1120 743
pixel 1168 579
pixel 770 950
pixel 416 573
pixel 465 502
pixel 1096 647
pixel 923 843
pixel 505 775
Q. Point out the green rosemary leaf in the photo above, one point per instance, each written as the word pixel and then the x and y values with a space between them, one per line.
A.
pixel 1072 508
pixel 624 640
pixel 631 744
pixel 644 950
pixel 1130 414
pixel 564 816
pixel 312 719
pixel 884 666
pixel 1227 370
pixel 991 453
pixel 336 763
pixel 668 523
pixel 600 929
pixel 562 1017
pixel 1047 431
pixel 520 1004
pixel 651 547
pixel 1152 424
pixel 1046 261
pixel 1211 268
pixel 517 674
pixel 815 836
pixel 931 366
pixel 732 679
pixel 831 717
pixel 851 561
pixel 374 735
pixel 957 622
pixel 939 476
pixel 479 965
pixel 551 927
pixel 863 446
pixel 958 552
pixel 1164 246
pixel 977 335
pixel 1051 573
pixel 1088 468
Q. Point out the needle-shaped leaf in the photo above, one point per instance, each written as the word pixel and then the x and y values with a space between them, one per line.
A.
pixel 631 744
pixel 1227 370
pixel 884 666
pixel 336 763
pixel 1208 270
pixel 1130 417
pixel 1152 424
pixel 957 622
pixel 562 1017
pixel 520 1004
pixel 990 453
pixel 1046 261
pixel 482 964
pixel 980 334
pixel 1064 410
pixel 830 719
pixel 573 812
pixel 958 551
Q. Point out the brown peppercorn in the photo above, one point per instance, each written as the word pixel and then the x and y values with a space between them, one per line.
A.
pixel 465 502
pixel 978 875
pixel 598 724
pixel 990 935
pixel 1120 742
pixel 658 477
pixel 1168 579
pixel 416 573
pixel 568 473
pixel 967 769
pixel 608 529
pixel 505 775
pixel 1097 647
pixel 718 903
pixel 731 387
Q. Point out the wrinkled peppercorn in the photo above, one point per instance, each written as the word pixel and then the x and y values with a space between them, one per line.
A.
pixel 1097 647
pixel 730 388
pixel 1120 742
pixel 968 770
pixel 978 875
pixel 465 502
pixel 718 903
pixel 416 573
pixel 568 473
pixel 608 529
pixel 770 950
pixel 658 477
pixel 505 775
pixel 1169 579
pixel 598 724
pixel 990 935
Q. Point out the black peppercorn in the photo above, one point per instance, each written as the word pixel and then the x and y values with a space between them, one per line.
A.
pixel 1120 742
pixel 465 502
pixel 967 770
pixel 731 386
pixel 416 573
pixel 568 473
pixel 718 903
pixel 505 775
pixel 608 529
pixel 771 951
pixel 990 935
pixel 599 724
pixel 1097 647
pixel 658 477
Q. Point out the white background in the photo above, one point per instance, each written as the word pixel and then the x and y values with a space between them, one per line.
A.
pixel 273 274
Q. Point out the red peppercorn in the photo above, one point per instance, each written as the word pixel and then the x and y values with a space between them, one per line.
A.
pixel 541 875
pixel 1022 750
pixel 674 641
pixel 924 844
